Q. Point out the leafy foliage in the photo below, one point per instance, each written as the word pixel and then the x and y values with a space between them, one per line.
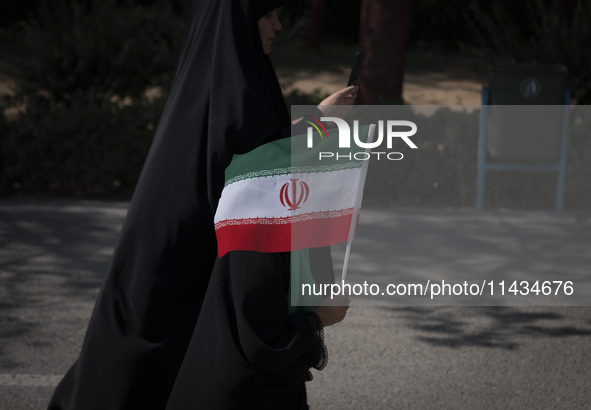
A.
pixel 110 50
pixel 89 149
pixel 551 34
pixel 91 89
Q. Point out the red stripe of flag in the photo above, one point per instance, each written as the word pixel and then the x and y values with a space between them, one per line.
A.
pixel 283 237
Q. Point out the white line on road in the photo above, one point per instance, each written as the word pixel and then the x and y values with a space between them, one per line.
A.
pixel 30 380
pixel 73 207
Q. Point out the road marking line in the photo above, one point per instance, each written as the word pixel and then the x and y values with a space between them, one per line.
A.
pixel 30 380
pixel 73 209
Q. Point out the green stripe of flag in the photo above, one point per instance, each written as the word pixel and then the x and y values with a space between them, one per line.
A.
pixel 290 156
pixel 275 155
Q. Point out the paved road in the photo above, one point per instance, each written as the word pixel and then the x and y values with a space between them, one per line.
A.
pixel 53 256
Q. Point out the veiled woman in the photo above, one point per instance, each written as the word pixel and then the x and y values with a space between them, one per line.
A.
pixel 225 100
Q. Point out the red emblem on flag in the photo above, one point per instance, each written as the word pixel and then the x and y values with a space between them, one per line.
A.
pixel 296 196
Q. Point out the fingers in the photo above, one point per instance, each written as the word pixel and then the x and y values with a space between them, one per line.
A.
pixel 329 315
pixel 352 89
pixel 339 104
pixel 343 99
pixel 333 310
pixel 338 300
pixel 348 95
pixel 341 300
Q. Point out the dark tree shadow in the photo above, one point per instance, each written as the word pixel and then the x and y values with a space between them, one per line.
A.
pixel 493 327
pixel 52 261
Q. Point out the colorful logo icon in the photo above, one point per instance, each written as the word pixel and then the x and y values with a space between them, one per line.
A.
pixel 317 125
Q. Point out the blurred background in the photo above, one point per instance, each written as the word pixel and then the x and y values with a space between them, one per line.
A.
pixel 83 83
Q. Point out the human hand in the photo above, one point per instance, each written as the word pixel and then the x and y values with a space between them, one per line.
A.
pixel 339 103
pixel 332 311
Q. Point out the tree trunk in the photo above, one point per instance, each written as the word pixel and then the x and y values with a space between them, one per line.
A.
pixel 383 36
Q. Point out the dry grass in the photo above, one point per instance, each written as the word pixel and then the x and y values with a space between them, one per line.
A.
pixel 430 78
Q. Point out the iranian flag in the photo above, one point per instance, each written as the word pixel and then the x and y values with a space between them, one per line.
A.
pixel 277 200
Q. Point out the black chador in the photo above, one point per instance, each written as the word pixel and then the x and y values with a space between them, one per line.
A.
pixel 240 350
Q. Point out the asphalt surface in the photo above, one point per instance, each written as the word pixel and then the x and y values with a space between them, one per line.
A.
pixel 407 354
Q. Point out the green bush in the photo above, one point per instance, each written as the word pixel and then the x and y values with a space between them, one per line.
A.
pixel 105 51
pixel 87 117
pixel 91 149
pixel 441 172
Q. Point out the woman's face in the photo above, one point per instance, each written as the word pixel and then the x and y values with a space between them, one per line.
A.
pixel 268 25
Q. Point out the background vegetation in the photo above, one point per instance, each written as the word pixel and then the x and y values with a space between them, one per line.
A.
pixel 91 80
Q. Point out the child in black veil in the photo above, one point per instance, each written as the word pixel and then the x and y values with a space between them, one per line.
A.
pixel 152 317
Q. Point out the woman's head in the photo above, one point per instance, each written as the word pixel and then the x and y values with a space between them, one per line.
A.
pixel 268 25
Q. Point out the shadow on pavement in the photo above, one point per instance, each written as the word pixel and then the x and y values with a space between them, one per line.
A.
pixel 52 261
pixel 493 327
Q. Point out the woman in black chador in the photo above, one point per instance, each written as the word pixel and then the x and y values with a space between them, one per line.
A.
pixel 144 334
